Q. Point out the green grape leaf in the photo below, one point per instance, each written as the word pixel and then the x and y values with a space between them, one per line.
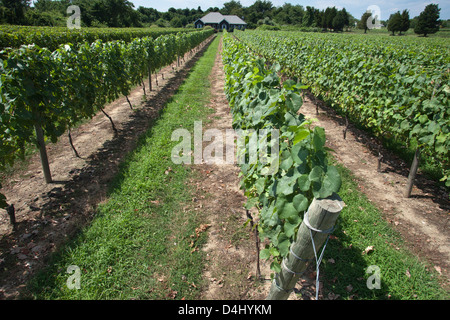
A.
pixel 264 254
pixel 300 202
pixel 287 211
pixel 319 138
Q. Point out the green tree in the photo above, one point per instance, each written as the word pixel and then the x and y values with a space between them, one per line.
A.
pixel 52 18
pixel 362 23
pixel 50 5
pixel 232 8
pixel 14 10
pixel 148 15
pixel 121 13
pixel 162 23
pixel 176 22
pixel 308 17
pixel 329 15
pixel 428 22
pixel 395 23
pixel 340 20
pixel 346 17
pixel 319 18
pixel 110 13
pixel 257 11
pixel 405 22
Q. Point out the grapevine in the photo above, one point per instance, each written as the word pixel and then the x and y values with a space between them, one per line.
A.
pixel 397 90
pixel 54 90
pixel 259 101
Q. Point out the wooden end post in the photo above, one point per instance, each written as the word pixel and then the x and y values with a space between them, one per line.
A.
pixel 322 216
pixel 43 153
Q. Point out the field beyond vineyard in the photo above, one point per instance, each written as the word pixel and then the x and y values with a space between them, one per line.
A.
pixel 142 227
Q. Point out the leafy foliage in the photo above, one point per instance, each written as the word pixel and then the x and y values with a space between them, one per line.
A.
pixel 428 21
pixel 396 90
pixel 395 22
pixel 259 102
pixel 56 89
pixel 52 37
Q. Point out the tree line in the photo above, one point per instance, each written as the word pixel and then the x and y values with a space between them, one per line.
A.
pixel 426 23
pixel 262 13
pixel 121 13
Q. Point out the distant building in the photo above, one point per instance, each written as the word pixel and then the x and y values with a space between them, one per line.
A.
pixel 221 22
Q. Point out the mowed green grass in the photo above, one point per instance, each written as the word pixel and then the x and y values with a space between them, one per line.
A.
pixel 139 244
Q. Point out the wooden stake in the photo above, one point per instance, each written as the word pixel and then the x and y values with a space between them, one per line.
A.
pixel 412 173
pixel 150 78
pixel 12 215
pixel 143 87
pixel 43 152
pixel 346 127
pixel 129 102
pixel 380 158
pixel 255 228
pixel 322 214
pixel 71 143
pixel 110 119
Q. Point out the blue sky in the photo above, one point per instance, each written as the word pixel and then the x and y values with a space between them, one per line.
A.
pixel 356 8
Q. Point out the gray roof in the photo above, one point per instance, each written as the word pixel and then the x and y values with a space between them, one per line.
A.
pixel 234 20
pixel 216 17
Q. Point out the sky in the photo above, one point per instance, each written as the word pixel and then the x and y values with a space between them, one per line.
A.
pixel 356 8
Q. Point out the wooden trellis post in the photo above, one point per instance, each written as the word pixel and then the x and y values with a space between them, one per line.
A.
pixel 43 153
pixel 150 77
pixel 318 223
pixel 412 173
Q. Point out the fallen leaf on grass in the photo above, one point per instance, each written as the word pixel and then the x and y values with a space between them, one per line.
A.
pixel 408 274
pixel 332 296
pixel 438 269
pixel 172 294
pixel 368 250
pixel 202 228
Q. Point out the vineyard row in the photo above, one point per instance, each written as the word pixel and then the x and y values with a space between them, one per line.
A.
pixel 259 101
pixel 44 93
pixel 52 37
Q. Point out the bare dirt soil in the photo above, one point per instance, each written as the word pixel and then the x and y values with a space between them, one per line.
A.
pixel 48 214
